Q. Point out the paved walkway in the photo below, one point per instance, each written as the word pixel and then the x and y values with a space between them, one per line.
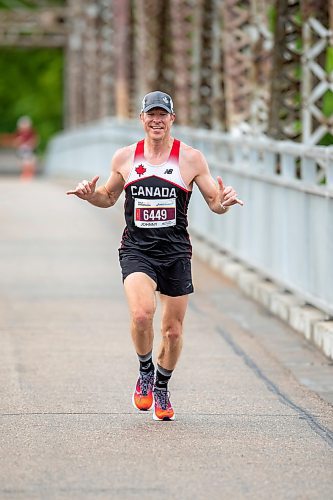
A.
pixel 248 425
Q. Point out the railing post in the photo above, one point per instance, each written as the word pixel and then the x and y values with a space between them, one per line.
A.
pixel 329 173
pixel 308 167
pixel 287 165
pixel 269 161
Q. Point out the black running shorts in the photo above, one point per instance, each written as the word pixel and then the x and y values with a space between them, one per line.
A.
pixel 173 278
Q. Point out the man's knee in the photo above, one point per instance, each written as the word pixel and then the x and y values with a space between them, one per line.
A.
pixel 142 318
pixel 173 331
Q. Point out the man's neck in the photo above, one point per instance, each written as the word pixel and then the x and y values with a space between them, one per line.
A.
pixel 157 149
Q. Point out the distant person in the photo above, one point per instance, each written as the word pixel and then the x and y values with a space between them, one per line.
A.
pixel 157 174
pixel 25 141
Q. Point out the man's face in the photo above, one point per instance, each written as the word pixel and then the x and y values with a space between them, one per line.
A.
pixel 157 122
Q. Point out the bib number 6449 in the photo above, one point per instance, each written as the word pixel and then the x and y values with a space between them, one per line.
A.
pixel 155 213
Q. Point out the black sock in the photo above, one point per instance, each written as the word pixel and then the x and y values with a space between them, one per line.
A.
pixel 146 362
pixel 162 377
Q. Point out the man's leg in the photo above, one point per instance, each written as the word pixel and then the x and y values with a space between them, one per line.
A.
pixel 173 313
pixel 140 292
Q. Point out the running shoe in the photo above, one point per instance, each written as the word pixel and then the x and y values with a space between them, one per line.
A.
pixel 162 408
pixel 143 395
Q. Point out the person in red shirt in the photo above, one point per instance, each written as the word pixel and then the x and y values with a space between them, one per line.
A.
pixel 26 140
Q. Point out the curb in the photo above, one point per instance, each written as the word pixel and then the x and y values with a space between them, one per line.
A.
pixel 315 325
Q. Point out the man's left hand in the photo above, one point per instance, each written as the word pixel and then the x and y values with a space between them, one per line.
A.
pixel 227 195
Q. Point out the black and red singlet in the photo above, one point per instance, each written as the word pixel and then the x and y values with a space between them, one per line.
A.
pixel 156 203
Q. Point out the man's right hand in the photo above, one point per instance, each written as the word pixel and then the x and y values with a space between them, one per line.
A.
pixel 85 189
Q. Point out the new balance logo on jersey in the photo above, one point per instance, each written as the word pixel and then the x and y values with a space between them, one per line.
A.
pixel 169 171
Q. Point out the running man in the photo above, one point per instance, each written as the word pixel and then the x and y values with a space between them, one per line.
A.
pixel 157 175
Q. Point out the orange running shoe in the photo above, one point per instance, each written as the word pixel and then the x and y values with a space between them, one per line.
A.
pixel 162 409
pixel 143 395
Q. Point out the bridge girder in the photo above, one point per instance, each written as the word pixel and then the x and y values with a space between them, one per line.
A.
pixel 220 60
pixel 43 27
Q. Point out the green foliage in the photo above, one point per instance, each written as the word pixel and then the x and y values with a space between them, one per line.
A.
pixel 327 140
pixel 17 4
pixel 328 97
pixel 31 84
pixel 271 13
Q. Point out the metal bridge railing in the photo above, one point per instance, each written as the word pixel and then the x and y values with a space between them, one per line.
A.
pixel 285 229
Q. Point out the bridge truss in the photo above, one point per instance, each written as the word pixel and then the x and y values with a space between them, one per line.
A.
pixel 249 66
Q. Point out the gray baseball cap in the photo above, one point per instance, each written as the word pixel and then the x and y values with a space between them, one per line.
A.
pixel 157 99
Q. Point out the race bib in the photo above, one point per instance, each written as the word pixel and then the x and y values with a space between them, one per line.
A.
pixel 155 213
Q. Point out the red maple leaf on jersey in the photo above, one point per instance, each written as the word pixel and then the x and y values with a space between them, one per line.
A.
pixel 140 170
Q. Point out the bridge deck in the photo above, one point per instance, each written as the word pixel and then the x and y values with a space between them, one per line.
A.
pixel 247 426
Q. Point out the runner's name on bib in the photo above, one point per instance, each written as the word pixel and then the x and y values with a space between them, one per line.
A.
pixel 155 213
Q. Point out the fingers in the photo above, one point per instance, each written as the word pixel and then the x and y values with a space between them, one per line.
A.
pixel 85 188
pixel 81 190
pixel 230 197
pixel 94 180
pixel 220 183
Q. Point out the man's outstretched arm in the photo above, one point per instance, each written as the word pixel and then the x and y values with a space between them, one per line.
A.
pixel 102 196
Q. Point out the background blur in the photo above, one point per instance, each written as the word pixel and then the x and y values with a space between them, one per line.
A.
pixel 252 83
pixel 249 66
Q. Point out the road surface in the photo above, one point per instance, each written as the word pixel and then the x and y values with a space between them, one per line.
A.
pixel 252 398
